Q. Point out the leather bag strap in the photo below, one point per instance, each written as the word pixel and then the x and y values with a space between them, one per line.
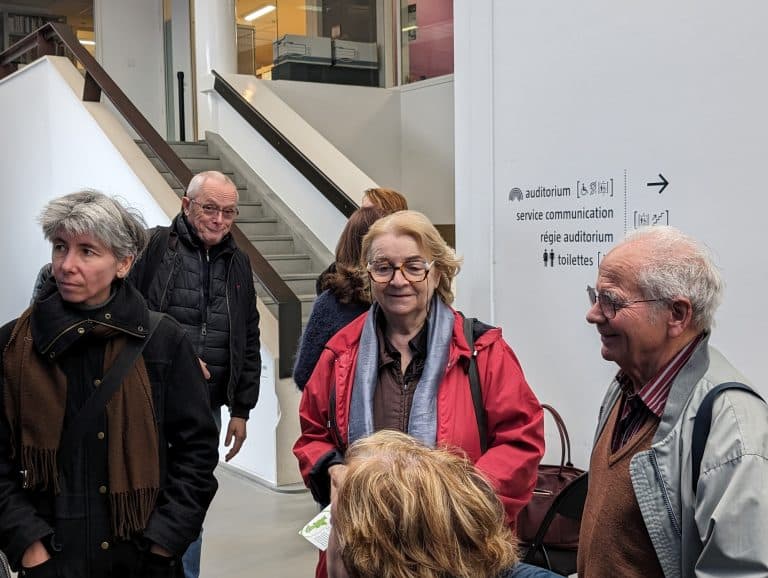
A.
pixel 95 404
pixel 565 440
pixel 474 385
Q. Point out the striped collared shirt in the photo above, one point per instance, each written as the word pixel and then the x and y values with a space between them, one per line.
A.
pixel 638 407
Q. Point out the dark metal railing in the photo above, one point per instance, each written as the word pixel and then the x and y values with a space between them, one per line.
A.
pixel 44 41
pixel 285 147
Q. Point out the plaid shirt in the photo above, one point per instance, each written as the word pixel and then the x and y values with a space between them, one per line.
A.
pixel 638 407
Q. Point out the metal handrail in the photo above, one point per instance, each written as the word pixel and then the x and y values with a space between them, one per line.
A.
pixel 285 147
pixel 97 81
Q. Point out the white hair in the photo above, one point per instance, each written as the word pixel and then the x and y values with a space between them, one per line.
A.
pixel 197 182
pixel 677 265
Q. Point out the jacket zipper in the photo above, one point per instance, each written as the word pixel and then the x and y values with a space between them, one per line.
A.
pixel 331 425
pixel 664 494
pixel 4 565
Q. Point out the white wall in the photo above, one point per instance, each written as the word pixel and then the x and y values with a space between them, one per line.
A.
pixel 362 122
pixel 557 94
pixel 300 195
pixel 129 45
pixel 426 147
pixel 51 145
pixel 401 137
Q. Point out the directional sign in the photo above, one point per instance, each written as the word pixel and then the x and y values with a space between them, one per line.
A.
pixel 663 184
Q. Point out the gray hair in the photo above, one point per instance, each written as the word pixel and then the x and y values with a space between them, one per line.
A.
pixel 197 182
pixel 121 229
pixel 677 265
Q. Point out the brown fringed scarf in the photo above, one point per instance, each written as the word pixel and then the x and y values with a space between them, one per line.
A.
pixel 35 396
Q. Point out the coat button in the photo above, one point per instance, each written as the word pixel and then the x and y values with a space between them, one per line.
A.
pixel 107 316
pixel 101 435
pixel 105 545
pixel 81 330
pixel 102 489
pixel 97 382
pixel 140 328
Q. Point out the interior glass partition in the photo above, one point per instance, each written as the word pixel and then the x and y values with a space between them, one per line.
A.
pixel 426 39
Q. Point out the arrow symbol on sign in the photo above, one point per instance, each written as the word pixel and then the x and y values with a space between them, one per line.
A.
pixel 663 184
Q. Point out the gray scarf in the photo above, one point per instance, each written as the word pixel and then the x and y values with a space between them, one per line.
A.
pixel 422 423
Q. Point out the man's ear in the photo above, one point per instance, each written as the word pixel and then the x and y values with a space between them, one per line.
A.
pixel 185 204
pixel 681 316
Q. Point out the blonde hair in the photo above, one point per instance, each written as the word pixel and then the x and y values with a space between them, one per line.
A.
pixel 408 511
pixel 427 237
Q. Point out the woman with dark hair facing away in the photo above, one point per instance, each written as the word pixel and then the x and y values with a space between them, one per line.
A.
pixel 388 201
pixel 107 443
pixel 403 365
pixel 407 511
pixel 345 294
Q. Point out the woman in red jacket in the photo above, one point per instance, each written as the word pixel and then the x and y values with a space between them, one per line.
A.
pixel 403 365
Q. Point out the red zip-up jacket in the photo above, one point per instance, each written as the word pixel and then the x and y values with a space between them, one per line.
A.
pixel 515 417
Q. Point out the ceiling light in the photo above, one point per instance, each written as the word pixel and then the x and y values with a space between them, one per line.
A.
pixel 88 42
pixel 308 8
pixel 409 28
pixel 259 13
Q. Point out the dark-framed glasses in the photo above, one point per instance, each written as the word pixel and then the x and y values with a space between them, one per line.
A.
pixel 413 271
pixel 212 210
pixel 609 305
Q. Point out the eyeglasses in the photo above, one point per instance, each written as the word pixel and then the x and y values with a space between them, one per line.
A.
pixel 608 305
pixel 212 210
pixel 413 271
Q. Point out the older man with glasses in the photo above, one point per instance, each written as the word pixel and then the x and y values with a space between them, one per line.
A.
pixel 194 271
pixel 648 512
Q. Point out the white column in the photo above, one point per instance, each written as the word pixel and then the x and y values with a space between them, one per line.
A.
pixel 129 45
pixel 215 49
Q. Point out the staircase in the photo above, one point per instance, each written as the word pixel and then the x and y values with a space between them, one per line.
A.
pixel 293 253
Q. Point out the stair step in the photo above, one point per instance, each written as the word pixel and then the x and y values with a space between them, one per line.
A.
pixel 272 244
pixel 259 225
pixel 242 186
pixel 182 149
pixel 250 209
pixel 307 301
pixel 300 283
pixel 293 263
pixel 196 165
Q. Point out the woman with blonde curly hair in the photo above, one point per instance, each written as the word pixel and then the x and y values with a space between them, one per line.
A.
pixel 403 365
pixel 408 511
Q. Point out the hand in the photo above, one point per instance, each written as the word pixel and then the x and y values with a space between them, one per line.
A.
pixel 35 555
pixel 160 551
pixel 337 474
pixel 236 429
pixel 204 367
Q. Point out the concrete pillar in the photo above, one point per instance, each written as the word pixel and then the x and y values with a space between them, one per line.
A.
pixel 215 49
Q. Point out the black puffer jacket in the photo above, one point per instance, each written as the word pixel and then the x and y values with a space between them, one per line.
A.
pixel 76 523
pixel 211 294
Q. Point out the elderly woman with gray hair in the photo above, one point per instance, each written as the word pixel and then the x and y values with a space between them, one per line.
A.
pixel 107 444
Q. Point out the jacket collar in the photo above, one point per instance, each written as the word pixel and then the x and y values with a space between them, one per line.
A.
pixel 56 325
pixel 186 232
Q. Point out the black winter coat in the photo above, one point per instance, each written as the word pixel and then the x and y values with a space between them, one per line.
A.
pixel 75 525
pixel 208 292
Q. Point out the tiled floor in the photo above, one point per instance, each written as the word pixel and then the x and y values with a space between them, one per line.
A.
pixel 251 531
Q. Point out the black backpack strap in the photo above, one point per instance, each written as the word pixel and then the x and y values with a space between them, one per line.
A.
pixel 95 404
pixel 474 384
pixel 154 256
pixel 703 423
